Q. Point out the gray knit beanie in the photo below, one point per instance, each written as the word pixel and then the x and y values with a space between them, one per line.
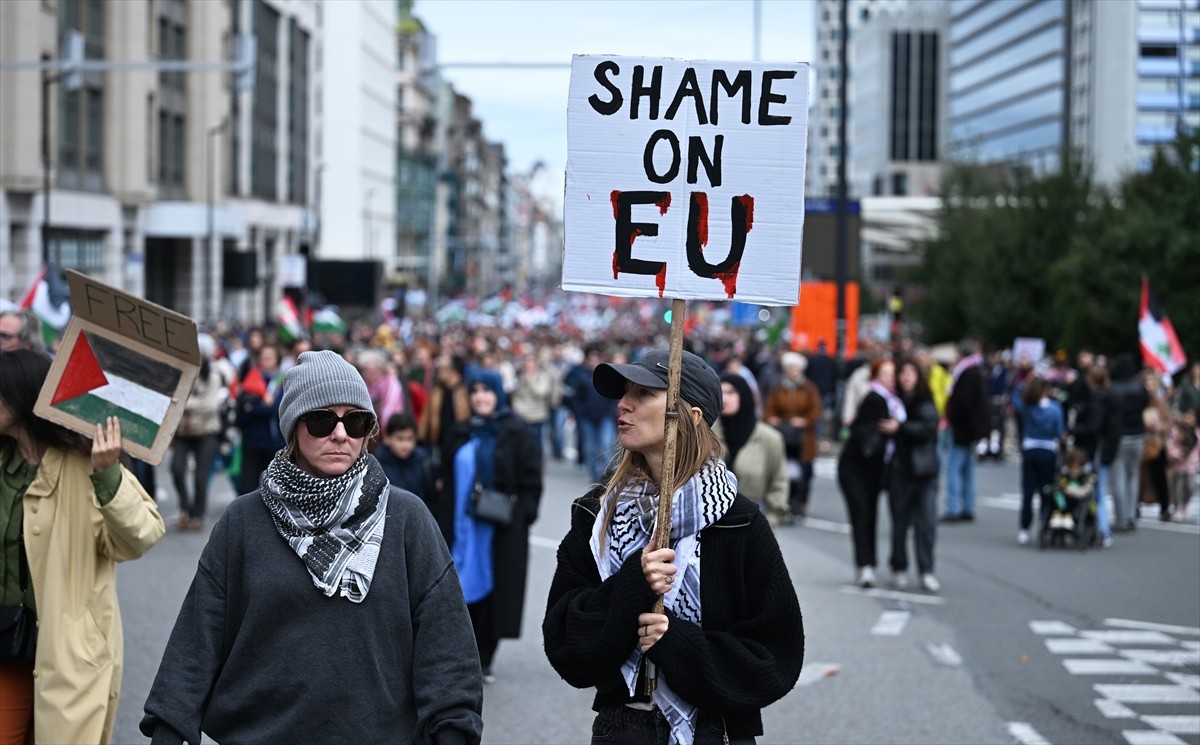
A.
pixel 317 381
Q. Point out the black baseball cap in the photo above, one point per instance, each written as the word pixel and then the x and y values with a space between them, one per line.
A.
pixel 698 382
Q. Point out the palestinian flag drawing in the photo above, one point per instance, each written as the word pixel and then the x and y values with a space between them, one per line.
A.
pixel 1160 346
pixel 103 379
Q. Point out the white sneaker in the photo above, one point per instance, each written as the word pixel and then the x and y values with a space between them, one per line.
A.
pixel 1106 542
pixel 929 583
pixel 1023 537
pixel 866 577
pixel 1068 522
pixel 900 581
pixel 1056 521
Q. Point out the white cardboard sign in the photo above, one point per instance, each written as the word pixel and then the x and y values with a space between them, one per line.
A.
pixel 685 179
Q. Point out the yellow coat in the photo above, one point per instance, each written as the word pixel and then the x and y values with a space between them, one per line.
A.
pixel 73 545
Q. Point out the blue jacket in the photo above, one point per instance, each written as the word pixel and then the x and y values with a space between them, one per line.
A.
pixel 1042 422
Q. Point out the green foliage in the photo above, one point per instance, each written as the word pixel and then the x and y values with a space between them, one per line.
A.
pixel 1058 257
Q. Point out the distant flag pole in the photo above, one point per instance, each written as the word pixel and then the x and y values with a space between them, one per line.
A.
pixel 1161 349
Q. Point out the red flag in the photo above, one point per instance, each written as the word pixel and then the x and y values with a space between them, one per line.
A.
pixel 1161 349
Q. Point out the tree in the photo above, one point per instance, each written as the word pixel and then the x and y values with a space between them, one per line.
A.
pixel 1057 257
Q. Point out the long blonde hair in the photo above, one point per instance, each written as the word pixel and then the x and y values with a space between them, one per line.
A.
pixel 695 445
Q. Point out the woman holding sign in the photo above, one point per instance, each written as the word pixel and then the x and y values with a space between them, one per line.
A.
pixel 68 513
pixel 730 640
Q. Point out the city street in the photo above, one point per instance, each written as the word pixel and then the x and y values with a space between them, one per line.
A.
pixel 1021 646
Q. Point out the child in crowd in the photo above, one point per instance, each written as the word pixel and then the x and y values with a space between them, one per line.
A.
pixel 1183 461
pixel 1077 483
pixel 407 466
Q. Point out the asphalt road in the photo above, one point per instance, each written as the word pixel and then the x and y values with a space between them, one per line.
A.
pixel 1021 646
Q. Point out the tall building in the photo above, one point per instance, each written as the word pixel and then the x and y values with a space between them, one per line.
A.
pixel 170 185
pixel 357 142
pixel 823 145
pixel 417 85
pixel 1034 81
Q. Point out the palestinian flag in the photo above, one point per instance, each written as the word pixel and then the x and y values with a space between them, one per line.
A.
pixel 1160 347
pixel 50 300
pixel 288 318
pixel 103 379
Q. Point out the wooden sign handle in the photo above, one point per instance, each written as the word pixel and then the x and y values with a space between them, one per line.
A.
pixel 666 491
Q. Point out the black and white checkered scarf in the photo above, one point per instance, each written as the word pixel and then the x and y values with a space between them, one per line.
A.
pixel 699 502
pixel 334 525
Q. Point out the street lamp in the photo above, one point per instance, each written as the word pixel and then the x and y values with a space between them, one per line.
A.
pixel 210 181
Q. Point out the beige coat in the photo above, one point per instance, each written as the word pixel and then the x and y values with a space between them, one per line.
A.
pixel 73 545
pixel 761 469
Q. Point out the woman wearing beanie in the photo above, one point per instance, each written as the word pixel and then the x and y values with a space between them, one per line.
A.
pixel 495 450
pixel 326 606
pixel 730 640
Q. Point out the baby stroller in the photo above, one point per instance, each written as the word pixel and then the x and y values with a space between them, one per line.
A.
pixel 1068 512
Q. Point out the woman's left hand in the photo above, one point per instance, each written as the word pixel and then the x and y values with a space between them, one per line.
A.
pixel 106 444
pixel 889 426
pixel 651 627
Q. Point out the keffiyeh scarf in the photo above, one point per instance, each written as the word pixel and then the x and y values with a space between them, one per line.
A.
pixel 334 525
pixel 698 502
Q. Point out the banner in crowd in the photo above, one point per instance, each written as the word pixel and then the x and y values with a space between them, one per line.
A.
pixel 685 179
pixel 126 357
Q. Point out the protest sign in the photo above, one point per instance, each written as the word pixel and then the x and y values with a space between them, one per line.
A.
pixel 685 179
pixel 1028 350
pixel 126 357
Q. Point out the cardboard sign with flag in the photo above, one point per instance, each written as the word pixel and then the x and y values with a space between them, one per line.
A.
pixel 126 357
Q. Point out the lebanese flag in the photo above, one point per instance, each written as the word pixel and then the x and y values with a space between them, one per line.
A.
pixel 1160 347
pixel 103 379
pixel 50 300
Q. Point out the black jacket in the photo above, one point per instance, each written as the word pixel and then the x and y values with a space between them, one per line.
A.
pixel 746 655
pixel 968 409
pixel 916 441
pixel 1095 427
pixel 517 470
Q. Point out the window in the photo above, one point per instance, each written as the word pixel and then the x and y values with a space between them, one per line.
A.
pixel 81 112
pixel 298 125
pixel 264 116
pixel 77 249
pixel 172 101
pixel 899 184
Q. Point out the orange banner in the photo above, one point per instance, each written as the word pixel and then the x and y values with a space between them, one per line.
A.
pixel 815 319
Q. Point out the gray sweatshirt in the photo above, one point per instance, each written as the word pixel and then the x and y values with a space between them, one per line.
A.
pixel 259 654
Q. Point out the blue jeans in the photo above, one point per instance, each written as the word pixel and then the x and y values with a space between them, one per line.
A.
pixel 558 421
pixel 1037 471
pixel 960 480
pixel 596 438
pixel 1101 499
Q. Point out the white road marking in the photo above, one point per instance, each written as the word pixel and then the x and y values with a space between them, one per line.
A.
pixel 1025 734
pixel 537 540
pixel 1164 657
pixel 828 526
pixel 999 503
pixel 1135 693
pixel 1114 709
pixel 1190 645
pixel 1108 667
pixel 1077 646
pixel 1183 679
pixel 1180 725
pixel 910 597
pixel 1150 737
pixel 1130 637
pixel 891 623
pixel 1051 628
pixel 1125 623
pixel 944 654
pixel 825 468
pixel 814 671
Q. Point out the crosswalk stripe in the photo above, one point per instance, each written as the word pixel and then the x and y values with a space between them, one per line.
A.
pixel 1108 667
pixel 944 654
pixel 1137 693
pixel 1163 657
pixel 891 623
pixel 1025 734
pixel 1129 637
pixel 1150 737
pixel 910 597
pixel 1114 709
pixel 1077 646
pixel 1180 725
pixel 1183 679
pixel 1126 623
pixel 1051 628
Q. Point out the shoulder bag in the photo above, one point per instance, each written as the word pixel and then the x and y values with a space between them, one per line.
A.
pixel 490 505
pixel 18 623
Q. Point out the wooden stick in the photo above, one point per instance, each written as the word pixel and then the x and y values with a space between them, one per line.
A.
pixel 666 491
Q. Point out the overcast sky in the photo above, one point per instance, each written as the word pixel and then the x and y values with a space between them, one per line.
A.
pixel 526 109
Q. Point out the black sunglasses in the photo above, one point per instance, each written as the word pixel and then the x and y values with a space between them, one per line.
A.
pixel 322 422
